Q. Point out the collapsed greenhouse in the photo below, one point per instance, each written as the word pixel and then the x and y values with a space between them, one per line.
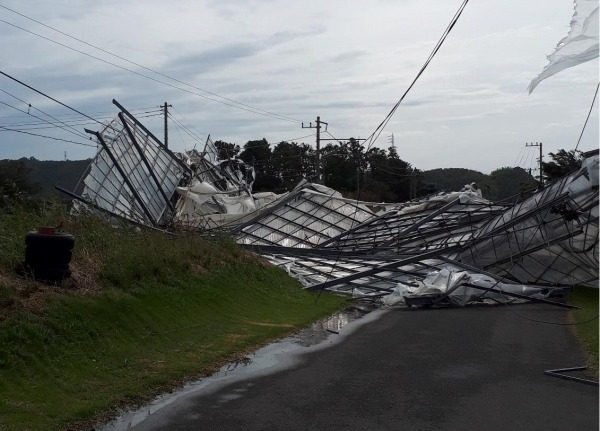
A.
pixel 451 248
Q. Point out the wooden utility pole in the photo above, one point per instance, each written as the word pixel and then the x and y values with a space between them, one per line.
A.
pixel 166 113
pixel 540 145
pixel 318 127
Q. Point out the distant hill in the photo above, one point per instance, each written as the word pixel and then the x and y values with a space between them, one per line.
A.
pixel 506 182
pixel 43 175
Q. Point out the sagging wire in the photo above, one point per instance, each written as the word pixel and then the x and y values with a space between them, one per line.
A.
pixel 29 106
pixel 372 138
pixel 588 117
pixel 215 97
pixel 46 137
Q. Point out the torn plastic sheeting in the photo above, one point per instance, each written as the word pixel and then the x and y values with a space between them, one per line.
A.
pixel 236 204
pixel 469 194
pixel 452 285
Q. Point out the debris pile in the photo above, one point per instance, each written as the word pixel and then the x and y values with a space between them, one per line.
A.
pixel 452 248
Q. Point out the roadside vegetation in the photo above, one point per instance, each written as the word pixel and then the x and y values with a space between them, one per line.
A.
pixel 587 329
pixel 141 313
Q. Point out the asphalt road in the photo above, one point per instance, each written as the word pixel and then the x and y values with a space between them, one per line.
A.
pixel 448 369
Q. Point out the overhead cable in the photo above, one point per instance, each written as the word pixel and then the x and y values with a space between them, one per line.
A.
pixel 66 129
pixel 29 105
pixel 41 93
pixel 67 118
pixel 219 99
pixel 372 138
pixel 186 130
pixel 588 117
pixel 46 137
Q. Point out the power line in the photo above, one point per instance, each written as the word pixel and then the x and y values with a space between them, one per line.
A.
pixel 30 106
pixel 40 126
pixel 373 136
pixel 296 139
pixel 225 100
pixel 275 116
pixel 193 131
pixel 104 126
pixel 588 116
pixel 72 121
pixel 186 130
pixel 74 131
pixel 66 117
pixel 47 137
pixel 41 93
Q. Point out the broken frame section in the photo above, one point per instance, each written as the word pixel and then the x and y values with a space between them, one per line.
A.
pixel 455 248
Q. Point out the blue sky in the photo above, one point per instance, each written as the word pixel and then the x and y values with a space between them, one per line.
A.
pixel 347 61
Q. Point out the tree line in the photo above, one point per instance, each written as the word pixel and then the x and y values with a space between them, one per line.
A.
pixel 377 174
pixel 347 166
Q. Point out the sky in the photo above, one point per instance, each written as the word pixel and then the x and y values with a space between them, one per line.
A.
pixel 345 61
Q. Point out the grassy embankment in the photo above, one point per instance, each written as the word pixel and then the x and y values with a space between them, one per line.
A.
pixel 587 331
pixel 141 313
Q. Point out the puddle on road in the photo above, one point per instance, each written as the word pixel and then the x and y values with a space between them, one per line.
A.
pixel 280 355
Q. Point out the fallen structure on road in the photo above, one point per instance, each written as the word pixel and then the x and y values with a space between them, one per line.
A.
pixel 452 248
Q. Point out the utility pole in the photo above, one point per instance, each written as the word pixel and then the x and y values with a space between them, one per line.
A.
pixel 166 113
pixel 318 127
pixel 319 139
pixel 540 145
pixel 391 140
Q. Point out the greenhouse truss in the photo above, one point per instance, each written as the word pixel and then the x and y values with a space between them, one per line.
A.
pixel 451 248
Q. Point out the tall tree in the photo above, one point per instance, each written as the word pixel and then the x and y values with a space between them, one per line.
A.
pixel 258 154
pixel 226 150
pixel 291 163
pixel 389 174
pixel 563 163
pixel 339 167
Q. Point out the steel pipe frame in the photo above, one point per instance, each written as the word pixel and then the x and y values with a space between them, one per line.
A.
pixel 352 283
pixel 132 166
pixel 286 203
pixel 145 160
pixel 366 241
pixel 122 173
pixel 110 213
pixel 302 226
pixel 150 134
pixel 392 266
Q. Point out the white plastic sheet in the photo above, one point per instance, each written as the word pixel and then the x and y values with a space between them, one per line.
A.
pixel 579 46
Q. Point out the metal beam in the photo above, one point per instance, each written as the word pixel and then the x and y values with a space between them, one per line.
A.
pixel 112 214
pixel 146 162
pixel 135 193
pixel 392 266
pixel 149 133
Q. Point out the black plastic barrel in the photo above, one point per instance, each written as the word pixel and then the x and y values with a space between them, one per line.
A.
pixel 48 254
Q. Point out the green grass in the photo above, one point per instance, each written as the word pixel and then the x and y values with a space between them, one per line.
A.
pixel 143 312
pixel 587 331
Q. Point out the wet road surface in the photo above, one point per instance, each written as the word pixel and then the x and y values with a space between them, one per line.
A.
pixel 478 368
